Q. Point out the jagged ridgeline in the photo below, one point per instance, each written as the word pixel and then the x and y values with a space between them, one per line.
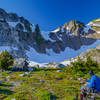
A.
pixel 18 34
pixel 26 40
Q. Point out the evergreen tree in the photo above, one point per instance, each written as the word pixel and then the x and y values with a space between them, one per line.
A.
pixel 37 29
pixel 38 37
pixel 6 60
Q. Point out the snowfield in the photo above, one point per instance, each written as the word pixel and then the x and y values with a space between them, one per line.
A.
pixel 36 58
pixel 45 35
pixel 13 24
pixel 50 56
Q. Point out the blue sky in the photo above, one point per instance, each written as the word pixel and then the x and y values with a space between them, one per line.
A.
pixel 50 14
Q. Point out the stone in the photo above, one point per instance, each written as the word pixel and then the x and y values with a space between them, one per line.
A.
pixel 59 70
pixel 79 79
pixel 33 88
pixel 0 82
pixel 23 80
pixel 70 78
pixel 1 75
pixel 45 74
pixel 13 99
pixel 22 75
pixel 8 76
pixel 42 81
pixel 16 84
pixel 26 73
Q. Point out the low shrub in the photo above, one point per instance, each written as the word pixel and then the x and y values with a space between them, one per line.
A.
pixel 83 66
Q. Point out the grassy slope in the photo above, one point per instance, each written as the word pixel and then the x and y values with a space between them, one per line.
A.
pixel 59 85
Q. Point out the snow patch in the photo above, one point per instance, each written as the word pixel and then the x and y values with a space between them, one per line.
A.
pixel 14 48
pixel 62 29
pixel 13 24
pixel 45 34
pixel 66 62
pixel 55 30
pixel 51 56
pixel 24 27
pixel 33 27
pixel 32 63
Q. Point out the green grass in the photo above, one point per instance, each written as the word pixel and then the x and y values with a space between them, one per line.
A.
pixel 57 85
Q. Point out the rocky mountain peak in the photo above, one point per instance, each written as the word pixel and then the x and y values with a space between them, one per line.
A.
pixel 74 27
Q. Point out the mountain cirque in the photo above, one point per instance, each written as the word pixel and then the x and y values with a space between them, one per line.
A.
pixel 23 40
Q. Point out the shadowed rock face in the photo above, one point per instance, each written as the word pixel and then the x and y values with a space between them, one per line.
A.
pixel 12 17
pixel 18 32
pixel 72 42
pixel 3 14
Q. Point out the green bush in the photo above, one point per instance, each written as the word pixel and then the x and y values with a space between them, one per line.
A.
pixel 81 66
pixel 6 60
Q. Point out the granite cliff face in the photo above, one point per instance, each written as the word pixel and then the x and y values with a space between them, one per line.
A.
pixel 24 39
pixel 15 33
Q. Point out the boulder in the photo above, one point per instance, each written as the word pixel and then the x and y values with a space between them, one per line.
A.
pixel 26 73
pixel 22 75
pixel 0 82
pixel 79 79
pixel 7 78
pixel 45 74
pixel 13 99
pixel 42 81
pixel 59 70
